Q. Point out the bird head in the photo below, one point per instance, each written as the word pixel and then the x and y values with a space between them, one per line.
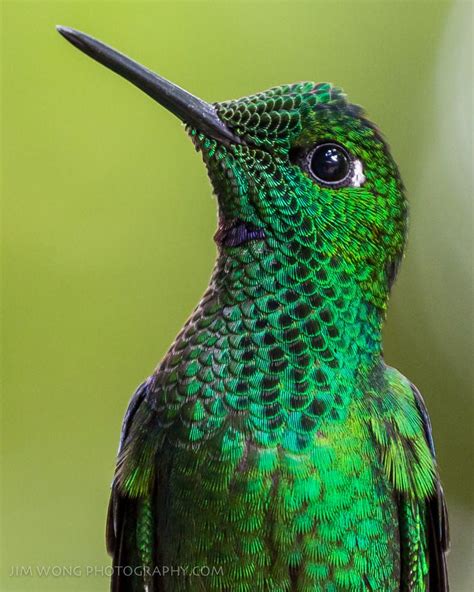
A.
pixel 297 167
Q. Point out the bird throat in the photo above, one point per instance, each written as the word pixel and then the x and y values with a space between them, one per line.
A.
pixel 297 334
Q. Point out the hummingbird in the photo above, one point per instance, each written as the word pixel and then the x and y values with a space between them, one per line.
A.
pixel 273 449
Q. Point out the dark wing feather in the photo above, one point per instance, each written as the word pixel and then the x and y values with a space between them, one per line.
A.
pixel 122 516
pixel 438 529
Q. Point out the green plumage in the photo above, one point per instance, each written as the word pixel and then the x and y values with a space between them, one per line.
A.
pixel 272 445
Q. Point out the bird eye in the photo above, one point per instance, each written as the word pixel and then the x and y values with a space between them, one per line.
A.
pixel 330 164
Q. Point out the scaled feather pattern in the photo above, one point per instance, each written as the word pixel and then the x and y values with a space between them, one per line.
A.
pixel 272 444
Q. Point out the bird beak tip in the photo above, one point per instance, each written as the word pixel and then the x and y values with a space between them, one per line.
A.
pixel 62 30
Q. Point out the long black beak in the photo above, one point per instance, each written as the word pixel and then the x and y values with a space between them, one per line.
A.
pixel 187 107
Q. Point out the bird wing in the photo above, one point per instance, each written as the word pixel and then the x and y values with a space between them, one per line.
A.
pixel 130 521
pixel 437 515
pixel 402 431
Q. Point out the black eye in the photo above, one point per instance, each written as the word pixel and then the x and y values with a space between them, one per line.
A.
pixel 330 164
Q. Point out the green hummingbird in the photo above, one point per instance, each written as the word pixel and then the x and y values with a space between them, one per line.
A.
pixel 272 449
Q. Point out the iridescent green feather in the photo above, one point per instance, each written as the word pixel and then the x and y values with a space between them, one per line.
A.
pixel 272 443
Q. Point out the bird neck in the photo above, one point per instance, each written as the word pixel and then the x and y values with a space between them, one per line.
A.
pixel 287 347
pixel 315 313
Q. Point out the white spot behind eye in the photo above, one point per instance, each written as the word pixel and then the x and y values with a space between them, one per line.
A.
pixel 358 177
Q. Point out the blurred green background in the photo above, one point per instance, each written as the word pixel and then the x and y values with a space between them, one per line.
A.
pixel 108 223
